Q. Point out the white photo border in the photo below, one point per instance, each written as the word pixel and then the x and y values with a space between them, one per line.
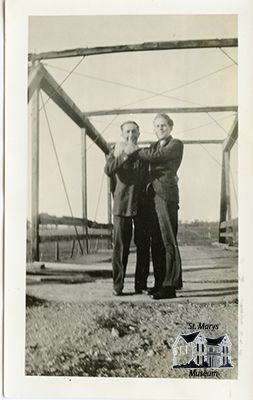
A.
pixel 16 384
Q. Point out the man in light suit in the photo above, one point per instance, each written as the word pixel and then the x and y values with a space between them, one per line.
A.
pixel 164 157
pixel 129 208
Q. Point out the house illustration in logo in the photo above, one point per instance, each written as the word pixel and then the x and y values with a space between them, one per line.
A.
pixel 194 350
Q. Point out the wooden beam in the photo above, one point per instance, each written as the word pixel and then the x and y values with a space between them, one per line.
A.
pixel 149 46
pixel 60 97
pixel 155 110
pixel 35 74
pixel 208 141
pixel 35 176
pixel 232 136
pixel 84 185
pixel 200 141
pixel 84 173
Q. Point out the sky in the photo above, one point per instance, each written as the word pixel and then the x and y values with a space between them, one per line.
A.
pixel 187 78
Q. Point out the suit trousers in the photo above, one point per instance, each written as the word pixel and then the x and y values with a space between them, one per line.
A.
pixel 164 250
pixel 122 229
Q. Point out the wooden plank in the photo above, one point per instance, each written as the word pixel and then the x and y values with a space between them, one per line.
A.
pixel 226 234
pixel 149 46
pixel 155 110
pixel 60 97
pixel 68 237
pixel 35 176
pixel 46 219
pixel 232 136
pixel 35 74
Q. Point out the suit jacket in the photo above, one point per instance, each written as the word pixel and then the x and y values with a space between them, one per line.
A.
pixel 130 181
pixel 164 163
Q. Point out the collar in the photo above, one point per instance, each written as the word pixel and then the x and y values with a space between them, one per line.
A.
pixel 163 142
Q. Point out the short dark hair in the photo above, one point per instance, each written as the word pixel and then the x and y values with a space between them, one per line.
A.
pixel 129 122
pixel 168 119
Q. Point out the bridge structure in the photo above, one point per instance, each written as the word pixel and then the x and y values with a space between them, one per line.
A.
pixel 39 79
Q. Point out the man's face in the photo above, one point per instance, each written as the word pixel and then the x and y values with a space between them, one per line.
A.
pixel 130 133
pixel 161 128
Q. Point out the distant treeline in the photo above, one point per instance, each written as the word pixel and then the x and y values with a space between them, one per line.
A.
pixel 201 232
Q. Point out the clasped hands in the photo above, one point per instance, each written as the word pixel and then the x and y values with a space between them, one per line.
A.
pixel 130 148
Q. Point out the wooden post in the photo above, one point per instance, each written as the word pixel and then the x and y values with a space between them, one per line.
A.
pixel 84 186
pixel 225 204
pixel 229 228
pixel 57 250
pixel 73 248
pixel 227 173
pixel 109 209
pixel 35 175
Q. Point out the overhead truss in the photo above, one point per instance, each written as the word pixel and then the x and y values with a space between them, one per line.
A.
pixel 149 46
pixel 40 78
pixel 154 110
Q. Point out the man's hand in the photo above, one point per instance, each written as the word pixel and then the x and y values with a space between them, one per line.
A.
pixel 130 148
pixel 119 148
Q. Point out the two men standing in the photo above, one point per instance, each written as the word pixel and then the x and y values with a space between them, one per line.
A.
pixel 149 179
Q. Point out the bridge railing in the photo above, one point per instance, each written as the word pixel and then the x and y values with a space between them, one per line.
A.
pixel 228 230
pixel 59 237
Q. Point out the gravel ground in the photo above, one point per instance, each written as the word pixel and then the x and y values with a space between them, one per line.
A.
pixel 118 339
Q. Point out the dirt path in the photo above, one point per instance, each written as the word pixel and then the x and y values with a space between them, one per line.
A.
pixel 209 275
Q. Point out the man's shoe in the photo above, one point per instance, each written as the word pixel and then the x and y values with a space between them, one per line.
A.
pixel 153 290
pixel 165 293
pixel 138 291
pixel 179 285
pixel 117 293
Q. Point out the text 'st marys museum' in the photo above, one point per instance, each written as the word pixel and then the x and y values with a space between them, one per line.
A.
pixel 195 350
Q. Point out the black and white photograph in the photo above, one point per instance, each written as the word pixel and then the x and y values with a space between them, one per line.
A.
pixel 130 262
pixel 132 225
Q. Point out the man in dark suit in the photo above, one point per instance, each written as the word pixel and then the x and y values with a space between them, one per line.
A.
pixel 164 157
pixel 130 207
